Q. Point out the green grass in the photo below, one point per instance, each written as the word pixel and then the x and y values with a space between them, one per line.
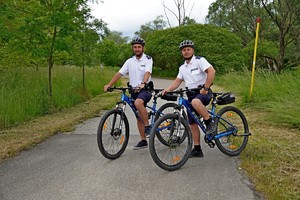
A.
pixel 24 91
pixel 272 156
pixel 277 94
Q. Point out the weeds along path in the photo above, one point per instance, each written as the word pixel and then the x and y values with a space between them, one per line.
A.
pixel 271 158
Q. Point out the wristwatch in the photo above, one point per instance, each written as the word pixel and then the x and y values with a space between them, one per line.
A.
pixel 205 88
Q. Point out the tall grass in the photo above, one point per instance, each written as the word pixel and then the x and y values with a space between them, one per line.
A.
pixel 24 91
pixel 277 94
pixel 272 156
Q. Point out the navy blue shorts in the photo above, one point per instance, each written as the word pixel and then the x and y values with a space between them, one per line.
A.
pixel 204 98
pixel 144 95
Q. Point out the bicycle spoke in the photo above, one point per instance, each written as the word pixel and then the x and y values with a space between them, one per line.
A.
pixel 170 143
pixel 113 134
pixel 233 126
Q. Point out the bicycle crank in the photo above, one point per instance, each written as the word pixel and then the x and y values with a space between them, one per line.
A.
pixel 210 143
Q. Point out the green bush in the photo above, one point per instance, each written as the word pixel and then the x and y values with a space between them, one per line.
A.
pixel 220 47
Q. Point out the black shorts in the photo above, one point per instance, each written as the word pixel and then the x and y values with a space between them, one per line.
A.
pixel 204 98
pixel 143 94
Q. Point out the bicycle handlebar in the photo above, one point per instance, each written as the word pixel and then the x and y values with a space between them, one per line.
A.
pixel 174 94
pixel 182 91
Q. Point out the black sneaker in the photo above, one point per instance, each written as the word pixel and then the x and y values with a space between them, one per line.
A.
pixel 142 144
pixel 147 131
pixel 196 153
pixel 210 129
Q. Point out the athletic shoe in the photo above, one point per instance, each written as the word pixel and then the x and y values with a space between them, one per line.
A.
pixel 142 144
pixel 196 153
pixel 147 131
pixel 210 128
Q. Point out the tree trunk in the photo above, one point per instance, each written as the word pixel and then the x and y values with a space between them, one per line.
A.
pixel 50 61
pixel 281 50
pixel 83 79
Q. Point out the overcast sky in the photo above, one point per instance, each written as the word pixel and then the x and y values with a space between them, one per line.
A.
pixel 127 16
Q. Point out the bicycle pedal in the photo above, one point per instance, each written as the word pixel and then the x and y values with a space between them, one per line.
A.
pixel 211 144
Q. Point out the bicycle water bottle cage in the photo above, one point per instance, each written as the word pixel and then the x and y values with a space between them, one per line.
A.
pixel 226 98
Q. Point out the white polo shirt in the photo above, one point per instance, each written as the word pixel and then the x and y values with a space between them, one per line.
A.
pixel 194 73
pixel 137 68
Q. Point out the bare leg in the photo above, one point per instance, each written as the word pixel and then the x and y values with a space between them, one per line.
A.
pixel 196 133
pixel 139 104
pixel 200 108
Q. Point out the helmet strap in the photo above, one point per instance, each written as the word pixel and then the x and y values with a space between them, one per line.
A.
pixel 188 58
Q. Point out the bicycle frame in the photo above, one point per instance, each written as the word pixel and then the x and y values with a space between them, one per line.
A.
pixel 182 102
pixel 125 99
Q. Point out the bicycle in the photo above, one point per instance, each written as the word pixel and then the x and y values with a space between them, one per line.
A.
pixel 230 125
pixel 113 129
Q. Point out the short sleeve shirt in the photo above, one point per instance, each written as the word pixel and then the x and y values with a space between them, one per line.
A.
pixel 136 68
pixel 194 73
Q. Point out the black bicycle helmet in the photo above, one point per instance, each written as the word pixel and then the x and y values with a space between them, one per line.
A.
pixel 138 40
pixel 186 43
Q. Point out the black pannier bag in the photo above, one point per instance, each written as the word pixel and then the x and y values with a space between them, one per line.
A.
pixel 226 98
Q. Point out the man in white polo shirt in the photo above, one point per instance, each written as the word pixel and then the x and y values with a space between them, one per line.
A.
pixel 195 71
pixel 139 69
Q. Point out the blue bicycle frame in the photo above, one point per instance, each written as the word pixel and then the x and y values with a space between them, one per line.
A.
pixel 130 101
pixel 182 102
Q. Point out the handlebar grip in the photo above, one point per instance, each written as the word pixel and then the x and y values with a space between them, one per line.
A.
pixel 110 89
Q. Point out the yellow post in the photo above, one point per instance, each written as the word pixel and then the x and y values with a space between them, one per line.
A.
pixel 254 55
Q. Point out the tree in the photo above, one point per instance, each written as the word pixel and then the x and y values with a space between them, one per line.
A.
pixel 116 36
pixel 46 30
pixel 285 14
pixel 238 16
pixel 279 25
pixel 157 24
pixel 84 44
pixel 188 21
pixel 183 10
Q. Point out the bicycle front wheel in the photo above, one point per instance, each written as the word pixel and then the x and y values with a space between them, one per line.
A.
pixel 178 136
pixel 231 120
pixel 113 134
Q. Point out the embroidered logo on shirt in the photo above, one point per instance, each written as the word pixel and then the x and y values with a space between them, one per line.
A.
pixel 194 69
pixel 143 65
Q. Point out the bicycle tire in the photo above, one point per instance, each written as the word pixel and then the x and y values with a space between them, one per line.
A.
pixel 233 144
pixel 170 107
pixel 174 155
pixel 112 141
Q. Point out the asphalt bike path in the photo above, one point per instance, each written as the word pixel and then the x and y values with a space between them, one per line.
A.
pixel 69 166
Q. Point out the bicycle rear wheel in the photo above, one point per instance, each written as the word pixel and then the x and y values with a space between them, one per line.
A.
pixel 113 134
pixel 166 109
pixel 234 121
pixel 178 136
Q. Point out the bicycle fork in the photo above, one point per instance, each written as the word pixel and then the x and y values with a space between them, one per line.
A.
pixel 116 132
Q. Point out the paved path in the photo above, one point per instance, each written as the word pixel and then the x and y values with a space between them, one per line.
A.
pixel 69 166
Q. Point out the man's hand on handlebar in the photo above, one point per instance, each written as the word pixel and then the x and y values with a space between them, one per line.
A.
pixel 106 87
pixel 164 92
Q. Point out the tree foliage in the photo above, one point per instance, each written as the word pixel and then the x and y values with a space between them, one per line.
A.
pixel 157 24
pixel 220 47
pixel 46 31
pixel 280 26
